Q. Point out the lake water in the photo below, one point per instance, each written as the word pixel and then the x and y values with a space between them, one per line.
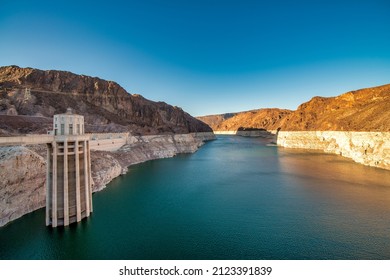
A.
pixel 236 198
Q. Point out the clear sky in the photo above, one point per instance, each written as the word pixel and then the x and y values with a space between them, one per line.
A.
pixel 206 56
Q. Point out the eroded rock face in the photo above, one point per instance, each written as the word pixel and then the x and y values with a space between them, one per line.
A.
pixel 22 182
pixel 104 168
pixel 368 148
pixel 361 110
pixel 107 107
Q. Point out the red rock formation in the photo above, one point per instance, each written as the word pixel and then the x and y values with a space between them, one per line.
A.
pixel 361 110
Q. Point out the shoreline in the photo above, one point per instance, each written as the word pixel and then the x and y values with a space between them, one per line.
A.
pixel 23 170
pixel 139 149
pixel 367 148
pixel 370 148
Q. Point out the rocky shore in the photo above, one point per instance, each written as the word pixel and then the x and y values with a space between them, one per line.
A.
pixel 368 148
pixel 23 170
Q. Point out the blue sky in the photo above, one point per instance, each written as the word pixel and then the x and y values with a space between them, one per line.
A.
pixel 206 56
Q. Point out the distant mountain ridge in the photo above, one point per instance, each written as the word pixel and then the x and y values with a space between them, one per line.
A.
pixel 107 106
pixel 366 109
pixel 268 119
pixel 215 120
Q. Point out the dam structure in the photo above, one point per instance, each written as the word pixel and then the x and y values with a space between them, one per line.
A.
pixel 68 178
pixel 68 169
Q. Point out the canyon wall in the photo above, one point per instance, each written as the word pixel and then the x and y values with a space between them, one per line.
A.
pixel 23 170
pixel 368 148
pixel 332 124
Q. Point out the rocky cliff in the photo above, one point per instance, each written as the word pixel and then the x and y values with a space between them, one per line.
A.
pixel 22 182
pixel 361 110
pixel 354 125
pixel 368 148
pixel 107 107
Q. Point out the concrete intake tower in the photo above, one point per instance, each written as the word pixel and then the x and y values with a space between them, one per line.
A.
pixel 68 191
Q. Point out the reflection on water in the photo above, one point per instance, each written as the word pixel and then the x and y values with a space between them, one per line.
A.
pixel 236 198
pixel 351 201
pixel 328 175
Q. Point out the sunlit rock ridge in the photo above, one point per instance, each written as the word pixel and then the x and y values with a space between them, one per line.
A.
pixel 360 110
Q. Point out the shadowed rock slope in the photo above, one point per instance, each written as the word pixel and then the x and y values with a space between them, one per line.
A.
pixel 107 107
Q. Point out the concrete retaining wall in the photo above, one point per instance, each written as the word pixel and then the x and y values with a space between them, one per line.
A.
pixel 107 144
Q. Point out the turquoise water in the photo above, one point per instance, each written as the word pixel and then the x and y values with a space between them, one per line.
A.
pixel 236 198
